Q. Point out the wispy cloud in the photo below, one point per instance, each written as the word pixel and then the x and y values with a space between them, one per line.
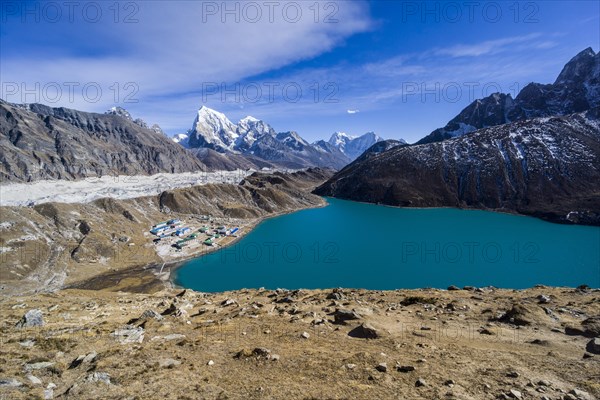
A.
pixel 485 48
pixel 427 81
pixel 176 48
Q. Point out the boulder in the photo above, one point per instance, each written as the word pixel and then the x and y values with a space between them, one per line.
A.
pixel 83 359
pixel 10 382
pixel 171 310
pixel 99 377
pixel 593 346
pixel 174 336
pixel 340 316
pixel 129 335
pixel 34 380
pixel 38 365
pixel 257 352
pixel 515 394
pixel 228 302
pixel 574 331
pixel 543 299
pixel 364 331
pixel 381 367
pixel 151 314
pixel 30 319
pixel 591 326
pixel 335 295
pixel 580 394
pixel 168 363
pixel 518 315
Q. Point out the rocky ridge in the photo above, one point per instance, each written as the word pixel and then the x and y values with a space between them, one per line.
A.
pixel 545 167
pixel 40 142
pixel 576 89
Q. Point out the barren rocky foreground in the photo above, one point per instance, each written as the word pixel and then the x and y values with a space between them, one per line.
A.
pixel 471 343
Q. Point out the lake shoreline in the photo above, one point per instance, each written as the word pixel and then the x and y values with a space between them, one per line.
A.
pixel 539 216
pixel 165 274
pixel 158 276
pixel 398 249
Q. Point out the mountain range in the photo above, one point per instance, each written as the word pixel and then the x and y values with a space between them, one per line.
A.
pixel 538 154
pixel 41 142
pixel 220 143
pixel 351 146
pixel 576 89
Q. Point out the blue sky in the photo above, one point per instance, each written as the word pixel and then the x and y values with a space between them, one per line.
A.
pixel 400 69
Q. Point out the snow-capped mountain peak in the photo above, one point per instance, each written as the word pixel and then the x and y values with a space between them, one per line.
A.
pixel 248 119
pixel 256 138
pixel 120 111
pixel 213 129
pixel 250 130
pixel 353 146
pixel 339 139
pixel 292 139
pixel 182 139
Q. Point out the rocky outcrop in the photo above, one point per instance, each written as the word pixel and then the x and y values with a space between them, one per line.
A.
pixel 31 319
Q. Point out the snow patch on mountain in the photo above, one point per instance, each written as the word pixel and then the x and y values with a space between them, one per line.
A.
pixel 353 146
pixel 182 139
pixel 250 130
pixel 123 113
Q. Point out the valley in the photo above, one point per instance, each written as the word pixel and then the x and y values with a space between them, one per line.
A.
pixel 51 245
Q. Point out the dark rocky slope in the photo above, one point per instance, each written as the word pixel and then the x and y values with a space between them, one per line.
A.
pixel 40 142
pixel 546 167
pixel 218 161
pixel 576 89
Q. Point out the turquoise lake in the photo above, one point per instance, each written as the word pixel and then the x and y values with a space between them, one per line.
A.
pixel 355 245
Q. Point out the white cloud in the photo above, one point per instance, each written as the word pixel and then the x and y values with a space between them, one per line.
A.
pixel 352 111
pixel 486 47
pixel 176 47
